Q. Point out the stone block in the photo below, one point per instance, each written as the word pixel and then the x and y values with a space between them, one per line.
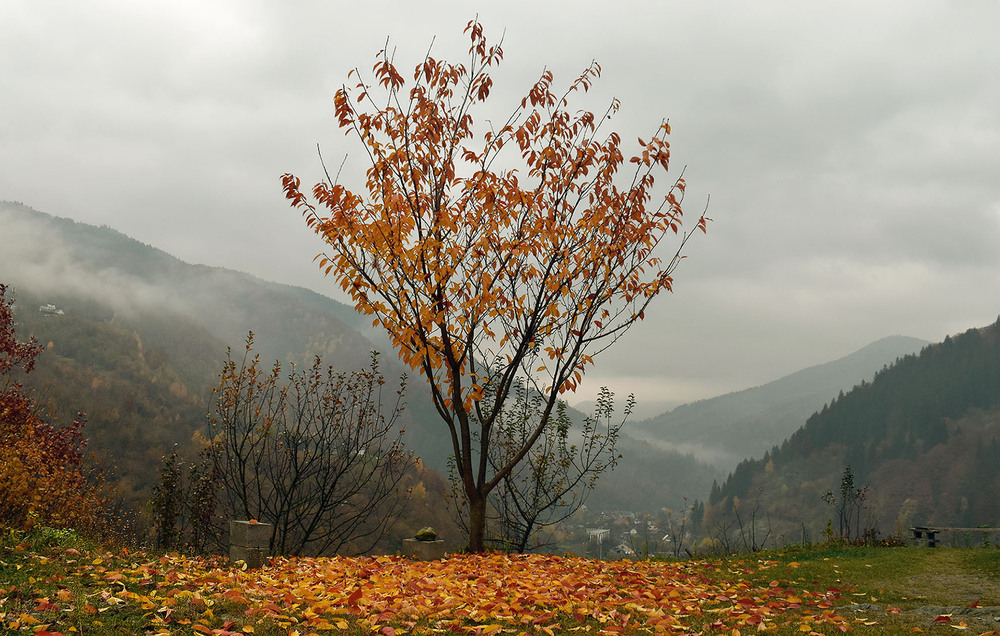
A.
pixel 423 550
pixel 249 542
pixel 253 557
pixel 250 535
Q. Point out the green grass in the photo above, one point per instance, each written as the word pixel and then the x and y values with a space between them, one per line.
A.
pixel 915 585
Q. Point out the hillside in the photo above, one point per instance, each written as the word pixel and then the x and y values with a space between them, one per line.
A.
pixel 68 261
pixel 727 429
pixel 143 383
pixel 923 435
pixel 135 338
pixel 648 479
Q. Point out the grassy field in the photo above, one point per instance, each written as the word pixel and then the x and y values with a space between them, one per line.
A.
pixel 52 582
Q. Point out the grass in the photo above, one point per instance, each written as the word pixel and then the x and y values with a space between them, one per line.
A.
pixel 905 589
pixel 53 581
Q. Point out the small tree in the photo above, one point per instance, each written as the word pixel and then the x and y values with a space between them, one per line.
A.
pixel 677 528
pixel 314 456
pixel 184 509
pixel 753 539
pixel 167 504
pixel 556 475
pixel 482 273
pixel 848 506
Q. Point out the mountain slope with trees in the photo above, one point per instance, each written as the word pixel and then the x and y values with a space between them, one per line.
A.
pixel 63 259
pixel 923 436
pixel 136 338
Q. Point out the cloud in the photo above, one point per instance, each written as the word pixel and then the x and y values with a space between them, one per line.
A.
pixel 849 148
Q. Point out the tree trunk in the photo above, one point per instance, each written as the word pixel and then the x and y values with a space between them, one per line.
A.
pixel 477 523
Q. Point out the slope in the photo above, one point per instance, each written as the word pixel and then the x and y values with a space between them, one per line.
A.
pixel 727 429
pixel 141 337
pixel 136 337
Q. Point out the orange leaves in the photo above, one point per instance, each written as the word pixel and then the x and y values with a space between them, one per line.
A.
pixel 386 73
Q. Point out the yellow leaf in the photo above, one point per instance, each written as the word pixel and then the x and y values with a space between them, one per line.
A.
pixel 27 619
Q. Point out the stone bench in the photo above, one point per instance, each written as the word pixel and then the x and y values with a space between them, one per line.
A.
pixel 920 532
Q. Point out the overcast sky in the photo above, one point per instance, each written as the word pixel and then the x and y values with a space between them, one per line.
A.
pixel 851 149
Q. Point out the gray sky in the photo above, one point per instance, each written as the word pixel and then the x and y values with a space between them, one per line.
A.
pixel 851 149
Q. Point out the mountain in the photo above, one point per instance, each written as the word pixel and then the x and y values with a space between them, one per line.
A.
pixel 135 337
pixel 727 429
pixel 923 436
pixel 75 262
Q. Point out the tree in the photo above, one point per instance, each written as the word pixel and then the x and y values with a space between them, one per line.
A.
pixel 483 274
pixel 848 505
pixel 558 473
pixel 315 456
pixel 42 476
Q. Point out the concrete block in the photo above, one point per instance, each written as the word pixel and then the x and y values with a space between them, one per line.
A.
pixel 253 557
pixel 423 550
pixel 250 535
pixel 249 542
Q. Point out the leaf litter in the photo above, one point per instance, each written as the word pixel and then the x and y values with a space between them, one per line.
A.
pixel 481 594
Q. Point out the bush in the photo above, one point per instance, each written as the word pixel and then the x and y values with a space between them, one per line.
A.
pixel 42 479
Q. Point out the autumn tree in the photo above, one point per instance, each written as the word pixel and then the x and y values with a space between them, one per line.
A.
pixel 42 474
pixel 312 453
pixel 493 253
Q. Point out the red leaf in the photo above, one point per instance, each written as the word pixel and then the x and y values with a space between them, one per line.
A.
pixel 354 597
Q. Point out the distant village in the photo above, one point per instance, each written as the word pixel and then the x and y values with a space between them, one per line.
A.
pixel 624 535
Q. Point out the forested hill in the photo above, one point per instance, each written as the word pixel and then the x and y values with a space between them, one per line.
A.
pixel 135 337
pixel 924 434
